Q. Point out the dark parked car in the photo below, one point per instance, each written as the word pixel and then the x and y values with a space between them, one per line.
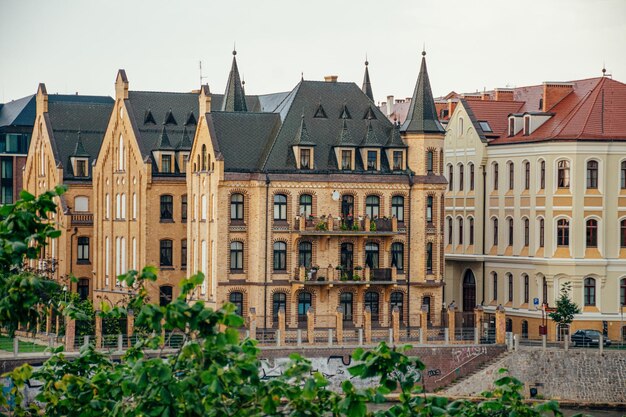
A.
pixel 588 338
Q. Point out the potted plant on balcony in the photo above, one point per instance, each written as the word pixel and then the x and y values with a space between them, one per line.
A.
pixel 372 226
pixel 355 226
pixel 321 225
pixel 344 226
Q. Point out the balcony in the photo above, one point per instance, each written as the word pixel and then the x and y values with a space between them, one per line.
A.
pixel 329 226
pixel 82 219
pixel 332 276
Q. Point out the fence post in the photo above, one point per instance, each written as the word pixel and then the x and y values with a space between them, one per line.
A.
pixel 422 335
pixel 310 326
pixel 16 346
pixel 516 339
pixel 423 320
pixel 500 325
pixel 451 322
pixel 476 335
pixel 543 341
pixel 281 326
pixel 279 336
pixel 601 343
pixel 360 336
pixel 120 342
pixel 566 343
pixel 391 336
pixel 330 337
pixel 70 335
pixel 98 330
pixel 299 337
pixel 339 326
pixel 367 324
pixel 395 324
pixel 86 341
pixel 49 321
pixel 130 326
pixel 446 336
pixel 252 324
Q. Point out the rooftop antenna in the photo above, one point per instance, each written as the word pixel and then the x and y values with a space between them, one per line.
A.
pixel 604 74
pixel 201 76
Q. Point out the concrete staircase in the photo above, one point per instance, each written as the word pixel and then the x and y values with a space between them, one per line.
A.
pixel 477 378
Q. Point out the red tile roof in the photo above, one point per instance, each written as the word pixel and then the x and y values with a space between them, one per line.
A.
pixel 594 110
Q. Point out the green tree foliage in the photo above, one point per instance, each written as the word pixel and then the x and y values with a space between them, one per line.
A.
pixel 214 373
pixel 565 307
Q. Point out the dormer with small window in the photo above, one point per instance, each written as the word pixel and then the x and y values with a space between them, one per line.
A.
pixel 345 149
pixel 164 154
pixel 534 120
pixel 371 149
pixel 183 148
pixel 80 160
pixel 395 150
pixel 515 124
pixel 303 148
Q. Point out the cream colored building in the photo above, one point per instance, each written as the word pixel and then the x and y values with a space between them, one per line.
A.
pixel 537 198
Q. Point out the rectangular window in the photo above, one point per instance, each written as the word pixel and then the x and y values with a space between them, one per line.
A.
pixel 397 160
pixel 166 253
pixel 346 160
pixel 372 160
pixel 183 209
pixel 183 254
pixel 6 180
pixel 81 168
pixel 83 250
pixel 166 163
pixel 305 159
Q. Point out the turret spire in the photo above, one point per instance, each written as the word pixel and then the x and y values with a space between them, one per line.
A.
pixel 367 85
pixel 234 97
pixel 422 115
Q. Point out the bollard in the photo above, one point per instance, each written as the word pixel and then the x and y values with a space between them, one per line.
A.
pixel 330 337
pixel 446 336
pixel 422 336
pixel 543 342
pixel 51 341
pixel 16 346
pixel 299 337
pixel 247 334
pixel 566 344
pixel 476 335
pixel 516 339
pixel 391 336
pixel 601 343
pixel 120 342
pixel 360 336
pixel 278 337
pixel 86 341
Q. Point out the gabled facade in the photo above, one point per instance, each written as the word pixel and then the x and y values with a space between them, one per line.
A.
pixel 537 198
pixel 66 139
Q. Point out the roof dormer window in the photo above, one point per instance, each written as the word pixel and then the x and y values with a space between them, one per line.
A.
pixel 346 159
pixel 511 126
pixel 305 158
pixel 372 160
pixel 526 125
pixel 166 163
pixel 485 127
pixel 80 167
pixel 398 160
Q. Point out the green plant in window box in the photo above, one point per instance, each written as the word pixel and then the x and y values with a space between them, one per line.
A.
pixel 321 225
pixel 356 277
pixel 372 226
pixel 344 226
pixel 355 226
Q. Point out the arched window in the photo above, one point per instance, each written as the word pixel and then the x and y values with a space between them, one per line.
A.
pixel 167 208
pixel 397 300
pixel 622 292
pixel 623 176
pixel 304 302
pixel 280 207
pixel 495 231
pixel 120 157
pixel 397 255
pixel 279 300
pixel 592 174
pixel 123 212
pixel 183 253
pixel 236 207
pixel 204 158
pixel 371 255
pixel 306 205
pixel 236 256
pixel 204 207
pixel 460 126
pixel 450 229
pixel 471 230
pixel 83 288
pixel 345 303
pixel 450 178
pixel 511 176
pixel 526 232
pixel 592 233
pixel 165 253
pixel 183 208
pixel 236 298
pixel 372 206
pixel 511 231
pixel 165 295
pixel 429 162
pixel 305 254
pixel 280 256
pixel 563 174
pixel 134 206
pixel 372 301
pixel 494 287
pixel 542 226
pixel 622 233
pixel 461 176
pixel 429 208
pixel 397 207
pixel 460 230
pixel 496 175
pixel 429 258
pixel 542 175
pixel 347 258
pixel 526 289
pixel 590 292
pixel 526 175
pixel 562 236
pixel 471 174
pixel 509 277
pixel 107 206
pixel 524 329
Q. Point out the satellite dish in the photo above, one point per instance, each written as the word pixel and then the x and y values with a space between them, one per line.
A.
pixel 335 195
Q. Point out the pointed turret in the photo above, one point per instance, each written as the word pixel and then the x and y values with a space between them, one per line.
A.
pixel 395 141
pixel 422 115
pixel 371 138
pixel 164 141
pixel 302 136
pixel 234 97
pixel 367 85
pixel 345 137
pixel 185 141
pixel 79 150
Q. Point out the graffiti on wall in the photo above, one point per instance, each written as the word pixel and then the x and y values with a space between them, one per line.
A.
pixel 466 353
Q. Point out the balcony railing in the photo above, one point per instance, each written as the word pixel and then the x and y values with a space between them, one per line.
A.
pixel 326 225
pixel 82 219
pixel 333 275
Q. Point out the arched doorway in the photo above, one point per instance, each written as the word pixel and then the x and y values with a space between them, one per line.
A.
pixel 469 299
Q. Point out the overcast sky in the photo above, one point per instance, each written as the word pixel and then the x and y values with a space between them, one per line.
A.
pixel 78 45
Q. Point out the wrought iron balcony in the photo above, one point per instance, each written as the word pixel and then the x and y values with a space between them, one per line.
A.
pixel 346 226
pixel 82 219
pixel 334 276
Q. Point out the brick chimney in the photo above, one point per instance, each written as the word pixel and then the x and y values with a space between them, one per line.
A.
pixel 451 106
pixel 331 78
pixel 553 92
pixel 484 96
pixel 472 97
pixel 389 105
pixel 504 94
